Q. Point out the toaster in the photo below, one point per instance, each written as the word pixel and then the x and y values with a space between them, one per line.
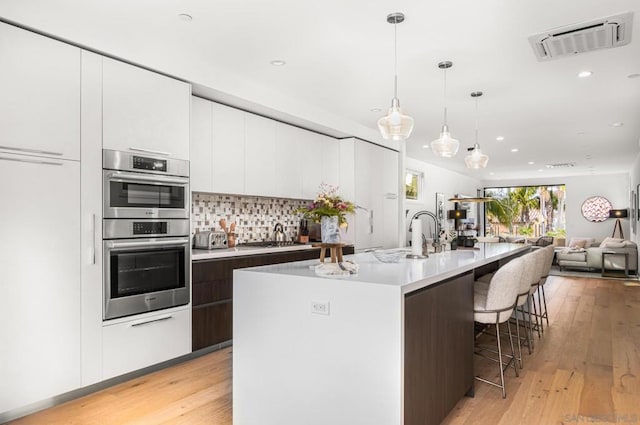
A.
pixel 210 240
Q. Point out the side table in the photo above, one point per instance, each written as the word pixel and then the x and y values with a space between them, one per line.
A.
pixel 615 273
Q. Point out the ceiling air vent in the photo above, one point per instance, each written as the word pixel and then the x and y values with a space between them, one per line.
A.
pixel 562 165
pixel 604 33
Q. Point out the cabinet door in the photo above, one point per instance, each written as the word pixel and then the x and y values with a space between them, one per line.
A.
pixel 143 110
pixel 40 94
pixel 330 161
pixel 390 207
pixel 138 343
pixel 201 146
pixel 290 145
pixel 261 164
pixel 228 150
pixel 40 300
pixel 312 148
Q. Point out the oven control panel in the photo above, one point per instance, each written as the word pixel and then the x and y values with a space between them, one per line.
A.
pixel 149 228
pixel 153 164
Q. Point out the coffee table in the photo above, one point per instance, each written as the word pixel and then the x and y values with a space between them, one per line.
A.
pixel 615 273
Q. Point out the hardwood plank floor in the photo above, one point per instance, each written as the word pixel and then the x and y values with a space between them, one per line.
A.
pixel 586 368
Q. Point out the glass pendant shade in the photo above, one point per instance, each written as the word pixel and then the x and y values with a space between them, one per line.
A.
pixel 445 145
pixel 395 125
pixel 476 159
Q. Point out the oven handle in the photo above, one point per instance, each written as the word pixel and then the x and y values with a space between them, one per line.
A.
pixel 119 176
pixel 169 242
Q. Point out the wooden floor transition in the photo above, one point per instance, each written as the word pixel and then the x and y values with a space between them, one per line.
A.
pixel 585 369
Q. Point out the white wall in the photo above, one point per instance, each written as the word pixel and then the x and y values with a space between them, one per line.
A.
pixel 437 179
pixel 614 187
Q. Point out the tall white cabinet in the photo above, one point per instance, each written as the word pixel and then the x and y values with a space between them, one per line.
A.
pixel 370 173
pixel 39 218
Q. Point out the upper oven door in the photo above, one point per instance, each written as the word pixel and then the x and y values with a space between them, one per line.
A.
pixel 136 195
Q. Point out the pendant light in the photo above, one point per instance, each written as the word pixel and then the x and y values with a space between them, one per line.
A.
pixel 445 145
pixel 476 159
pixel 395 125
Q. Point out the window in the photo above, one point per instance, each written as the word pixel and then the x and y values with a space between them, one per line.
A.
pixel 413 185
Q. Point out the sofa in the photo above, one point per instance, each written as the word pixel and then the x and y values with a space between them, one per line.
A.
pixel 585 253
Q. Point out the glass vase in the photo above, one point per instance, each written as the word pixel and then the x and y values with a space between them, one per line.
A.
pixel 330 229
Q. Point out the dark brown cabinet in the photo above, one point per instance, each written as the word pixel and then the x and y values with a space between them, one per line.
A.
pixel 212 286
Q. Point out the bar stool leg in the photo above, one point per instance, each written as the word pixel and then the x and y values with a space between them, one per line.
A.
pixel 540 309
pixel 518 335
pixel 504 393
pixel 513 352
pixel 535 314
pixel 544 299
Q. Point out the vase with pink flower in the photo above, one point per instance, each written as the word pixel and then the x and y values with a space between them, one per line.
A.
pixel 330 210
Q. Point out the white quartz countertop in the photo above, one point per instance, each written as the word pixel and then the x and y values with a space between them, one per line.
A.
pixel 204 254
pixel 408 274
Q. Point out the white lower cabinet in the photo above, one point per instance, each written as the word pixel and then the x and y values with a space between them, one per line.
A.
pixel 144 341
pixel 40 332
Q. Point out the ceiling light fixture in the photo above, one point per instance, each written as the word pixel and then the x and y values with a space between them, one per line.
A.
pixel 445 146
pixel 514 150
pixel 500 138
pixel 278 62
pixel 584 74
pixel 530 162
pixel 185 17
pixel 617 124
pixel 476 159
pixel 426 146
pixel 375 110
pixel 395 125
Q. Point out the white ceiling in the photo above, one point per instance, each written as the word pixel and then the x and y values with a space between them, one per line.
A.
pixel 340 65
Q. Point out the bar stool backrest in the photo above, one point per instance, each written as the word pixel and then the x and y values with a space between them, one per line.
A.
pixel 539 256
pixel 504 287
pixel 529 270
pixel 549 252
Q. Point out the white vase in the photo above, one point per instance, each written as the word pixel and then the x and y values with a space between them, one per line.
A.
pixel 330 229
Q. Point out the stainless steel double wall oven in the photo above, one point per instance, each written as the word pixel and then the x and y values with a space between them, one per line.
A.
pixel 145 233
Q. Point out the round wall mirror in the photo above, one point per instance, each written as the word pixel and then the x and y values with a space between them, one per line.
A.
pixel 596 208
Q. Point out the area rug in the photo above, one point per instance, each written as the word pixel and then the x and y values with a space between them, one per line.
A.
pixel 628 281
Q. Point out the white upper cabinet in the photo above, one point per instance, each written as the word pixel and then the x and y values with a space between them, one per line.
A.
pixel 321 162
pixel 201 148
pixel 290 146
pixel 261 162
pixel 144 111
pixel 39 95
pixel 228 149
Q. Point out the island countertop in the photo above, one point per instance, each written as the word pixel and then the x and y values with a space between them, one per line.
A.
pixel 407 274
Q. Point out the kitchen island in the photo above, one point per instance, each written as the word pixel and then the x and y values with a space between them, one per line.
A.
pixel 390 345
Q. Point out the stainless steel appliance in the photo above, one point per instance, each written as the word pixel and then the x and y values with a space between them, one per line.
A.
pixel 210 240
pixel 136 186
pixel 146 239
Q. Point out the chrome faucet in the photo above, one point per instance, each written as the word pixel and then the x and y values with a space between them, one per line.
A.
pixel 436 241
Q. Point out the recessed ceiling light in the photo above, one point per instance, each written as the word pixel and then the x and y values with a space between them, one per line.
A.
pixel 491 173
pixel 617 124
pixel 278 62
pixel 426 146
pixel 530 162
pixel 375 110
pixel 499 138
pixel 588 157
pixel 184 17
pixel 540 169
pixel 584 74
pixel 514 150
pixel 633 76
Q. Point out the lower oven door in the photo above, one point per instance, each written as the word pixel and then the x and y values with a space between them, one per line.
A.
pixel 143 275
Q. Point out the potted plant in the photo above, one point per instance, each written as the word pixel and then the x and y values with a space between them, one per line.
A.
pixel 330 210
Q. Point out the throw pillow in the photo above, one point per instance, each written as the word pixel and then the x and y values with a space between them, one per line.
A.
pixel 576 243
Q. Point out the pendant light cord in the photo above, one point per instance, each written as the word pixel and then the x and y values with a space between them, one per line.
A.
pixel 395 60
pixel 476 146
pixel 445 96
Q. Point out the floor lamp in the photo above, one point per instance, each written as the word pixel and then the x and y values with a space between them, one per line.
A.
pixel 618 214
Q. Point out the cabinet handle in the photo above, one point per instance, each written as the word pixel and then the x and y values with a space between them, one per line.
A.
pixel 93 232
pixel 155 319
pixel 391 196
pixel 371 222
pixel 11 148
pixel 150 151
pixel 30 161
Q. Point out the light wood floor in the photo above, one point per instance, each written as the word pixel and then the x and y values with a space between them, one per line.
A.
pixel 585 369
